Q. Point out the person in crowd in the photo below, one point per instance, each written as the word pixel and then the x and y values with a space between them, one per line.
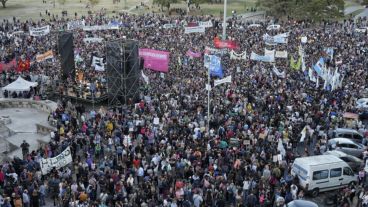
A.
pixel 167 150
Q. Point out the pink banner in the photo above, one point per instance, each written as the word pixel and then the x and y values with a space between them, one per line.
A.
pixel 8 66
pixel 193 54
pixel 155 59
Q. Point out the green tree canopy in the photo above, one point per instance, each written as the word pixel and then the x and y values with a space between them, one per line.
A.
pixel 3 2
pixel 304 9
pixel 165 3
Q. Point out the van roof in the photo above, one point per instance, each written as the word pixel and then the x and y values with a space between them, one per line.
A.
pixel 346 130
pixel 318 160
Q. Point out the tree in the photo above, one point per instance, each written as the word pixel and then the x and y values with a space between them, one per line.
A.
pixel 94 2
pixel 165 3
pixel 304 9
pixel 62 2
pixel 3 2
pixel 198 2
pixel 365 2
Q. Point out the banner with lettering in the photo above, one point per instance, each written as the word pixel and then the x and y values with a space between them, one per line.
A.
pixel 238 56
pixel 155 59
pixel 8 66
pixel 57 162
pixel 271 54
pixel 206 24
pixel 277 39
pixel 281 54
pixel 39 31
pixel 44 56
pixel 193 54
pixel 197 29
pixel 254 56
pixel 224 43
pixel 101 27
pixel 169 26
pixel 88 40
pixel 76 24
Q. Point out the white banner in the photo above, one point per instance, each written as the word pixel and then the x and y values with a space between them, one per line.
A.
pixel 92 39
pixel 271 54
pixel 57 162
pixel 98 63
pixel 39 31
pixel 199 29
pixel 278 73
pixel 145 78
pixel 277 39
pixel 238 56
pixel 281 54
pixel 100 27
pixel 224 80
pixel 76 24
pixel 205 24
pixel 254 56
pixel 168 26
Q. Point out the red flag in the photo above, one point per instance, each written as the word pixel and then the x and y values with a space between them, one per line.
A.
pixel 27 64
pixel 224 43
pixel 8 66
pixel 21 65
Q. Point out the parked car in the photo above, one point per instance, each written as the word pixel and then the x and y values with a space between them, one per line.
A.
pixel 354 162
pixel 301 203
pixel 322 173
pixel 362 103
pixel 351 134
pixel 346 145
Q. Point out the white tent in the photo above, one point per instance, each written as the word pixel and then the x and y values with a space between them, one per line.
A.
pixel 20 85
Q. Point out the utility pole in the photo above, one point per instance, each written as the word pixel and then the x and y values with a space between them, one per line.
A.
pixel 224 25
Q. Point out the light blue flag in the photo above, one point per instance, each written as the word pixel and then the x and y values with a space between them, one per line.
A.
pixel 329 51
pixel 215 67
pixel 318 66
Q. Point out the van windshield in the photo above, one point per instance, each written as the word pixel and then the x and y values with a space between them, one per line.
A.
pixel 301 172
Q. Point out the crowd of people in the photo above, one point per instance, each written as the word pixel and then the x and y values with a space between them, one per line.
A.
pixel 122 157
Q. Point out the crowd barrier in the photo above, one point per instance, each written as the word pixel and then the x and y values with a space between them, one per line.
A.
pixel 46 106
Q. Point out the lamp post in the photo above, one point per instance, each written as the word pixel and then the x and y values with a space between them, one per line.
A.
pixel 224 24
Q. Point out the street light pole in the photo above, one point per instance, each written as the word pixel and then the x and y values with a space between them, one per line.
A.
pixel 224 24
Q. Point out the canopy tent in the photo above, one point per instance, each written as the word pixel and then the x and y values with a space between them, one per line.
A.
pixel 20 85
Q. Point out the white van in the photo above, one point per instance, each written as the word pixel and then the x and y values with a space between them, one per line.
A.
pixel 322 173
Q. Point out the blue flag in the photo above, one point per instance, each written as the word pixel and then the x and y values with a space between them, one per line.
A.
pixel 318 67
pixel 215 66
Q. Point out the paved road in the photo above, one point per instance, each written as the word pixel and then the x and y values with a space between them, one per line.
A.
pixel 351 9
pixel 363 14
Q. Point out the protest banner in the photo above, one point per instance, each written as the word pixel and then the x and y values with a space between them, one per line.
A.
pixel 206 24
pixel 57 162
pixel 169 26
pixel 39 31
pixel 193 54
pixel 281 54
pixel 197 29
pixel 256 57
pixel 238 56
pixel 155 59
pixel 101 27
pixel 224 80
pixel 42 57
pixel 8 66
pixel 224 43
pixel 76 24
pixel 92 40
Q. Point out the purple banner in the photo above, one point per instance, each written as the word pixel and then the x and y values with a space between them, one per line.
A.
pixel 155 59
pixel 194 54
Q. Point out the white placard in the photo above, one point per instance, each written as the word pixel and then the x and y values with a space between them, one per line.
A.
pixel 39 31
pixel 57 162
pixel 156 121
pixel 198 29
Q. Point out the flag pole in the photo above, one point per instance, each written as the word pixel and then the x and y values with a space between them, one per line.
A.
pixel 224 25
pixel 208 102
